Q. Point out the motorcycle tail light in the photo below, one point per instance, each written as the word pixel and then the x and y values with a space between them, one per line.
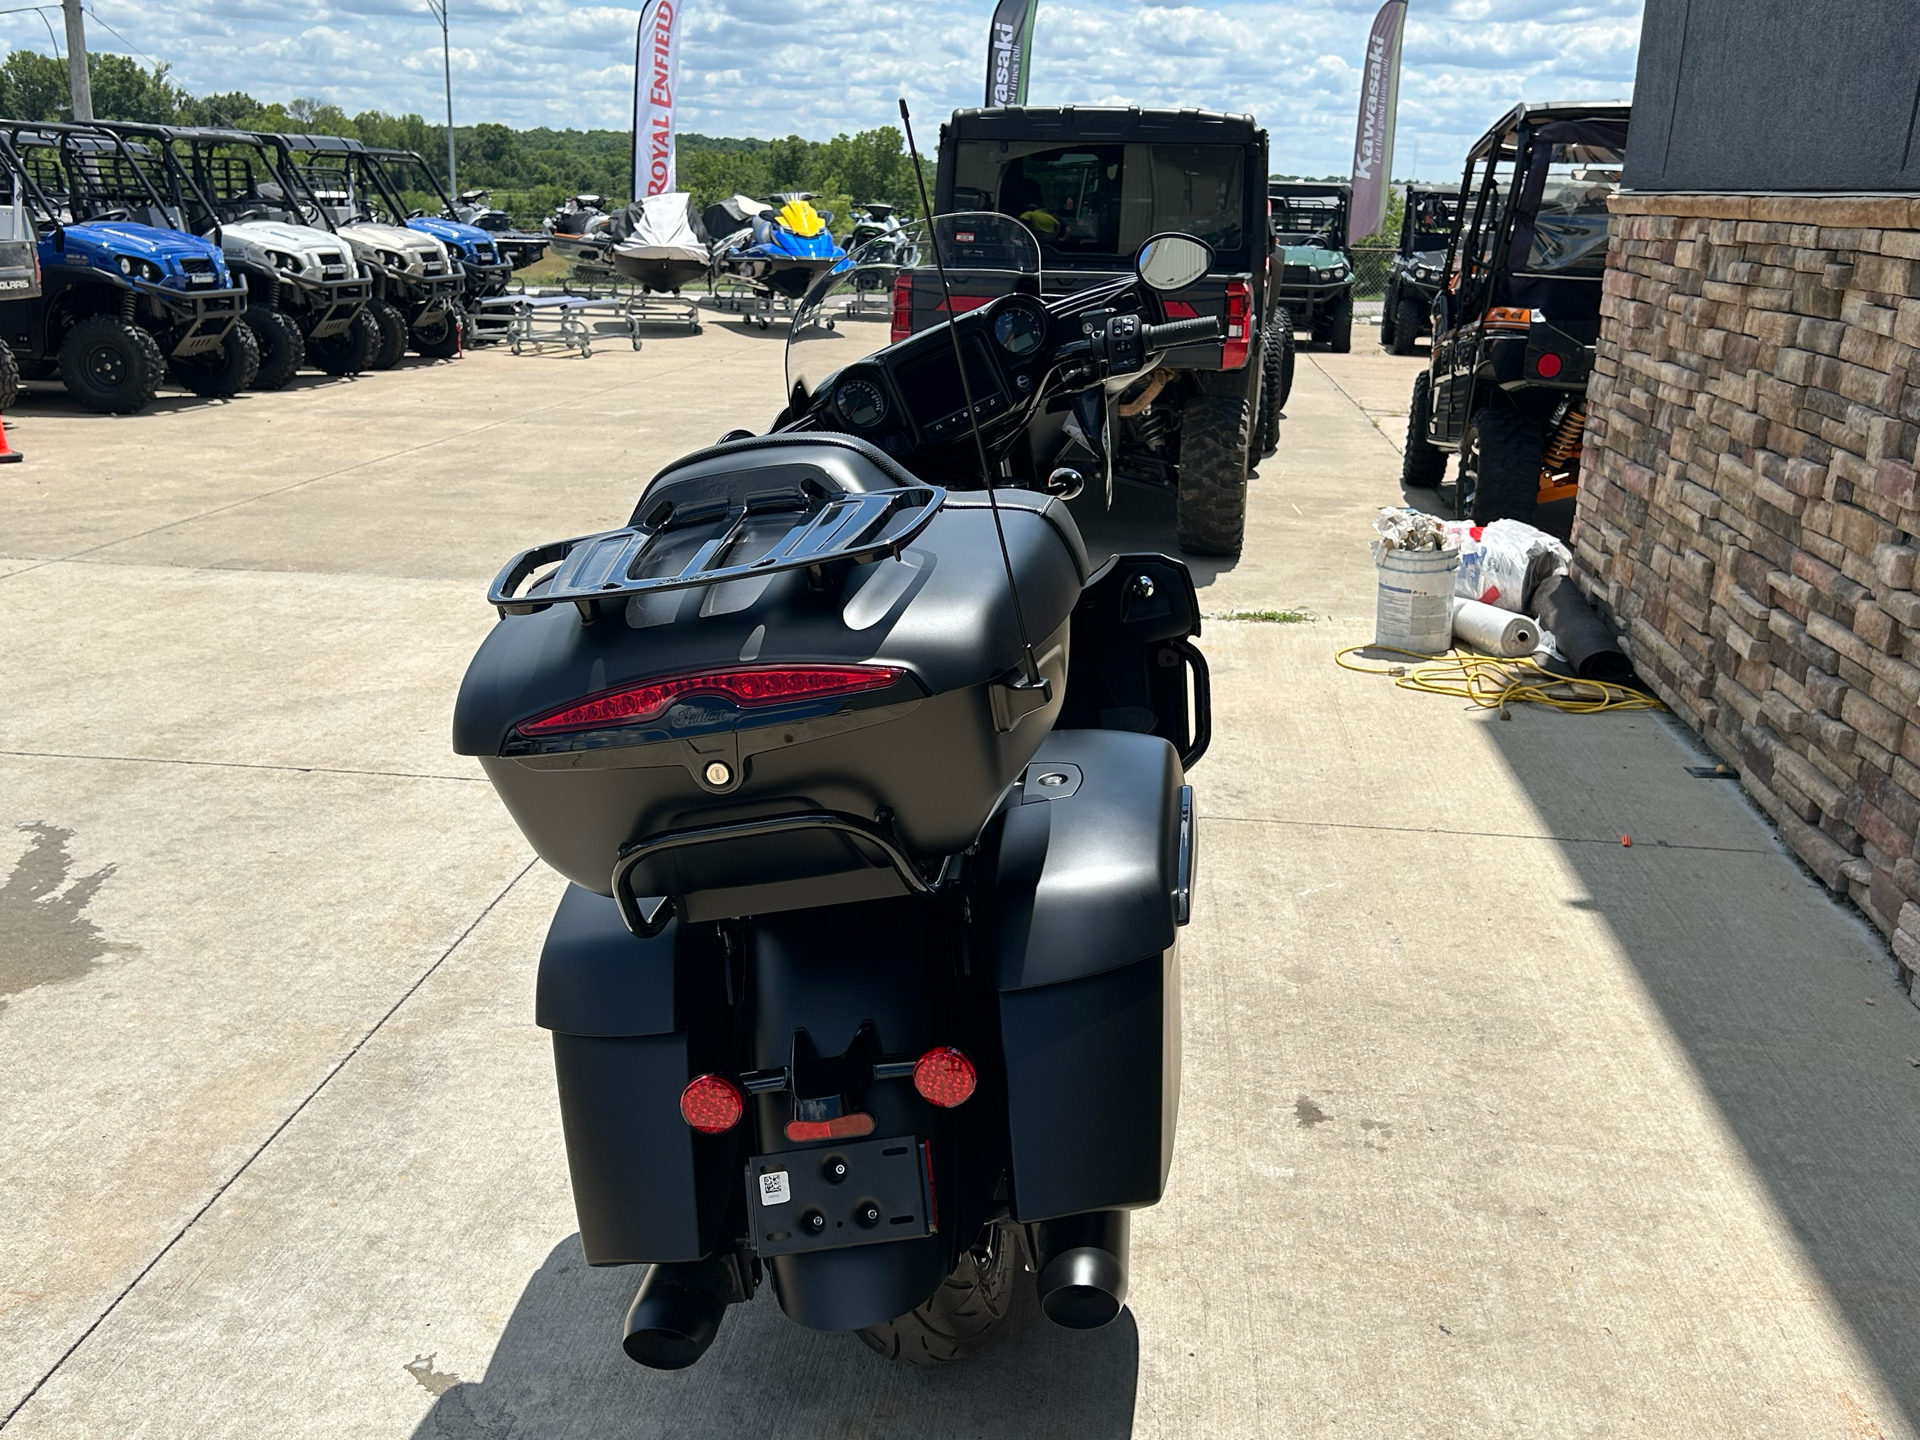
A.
pixel 945 1077
pixel 902 306
pixel 841 1127
pixel 712 1104
pixel 650 699
pixel 1233 354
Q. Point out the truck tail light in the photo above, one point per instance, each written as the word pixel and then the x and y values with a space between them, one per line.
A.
pixel 1233 354
pixel 902 306
pixel 712 1104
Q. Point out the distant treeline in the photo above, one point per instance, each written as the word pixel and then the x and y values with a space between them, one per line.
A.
pixel 529 171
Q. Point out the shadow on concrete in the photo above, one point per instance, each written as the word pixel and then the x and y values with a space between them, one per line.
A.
pixel 1779 998
pixel 559 1373
pixel 1141 520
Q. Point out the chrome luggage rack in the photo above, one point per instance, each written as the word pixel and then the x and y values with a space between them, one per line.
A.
pixel 846 527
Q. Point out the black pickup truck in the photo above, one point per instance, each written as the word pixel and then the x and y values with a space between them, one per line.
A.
pixel 1093 184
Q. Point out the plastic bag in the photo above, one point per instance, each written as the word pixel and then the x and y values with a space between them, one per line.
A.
pixel 1501 563
pixel 1407 530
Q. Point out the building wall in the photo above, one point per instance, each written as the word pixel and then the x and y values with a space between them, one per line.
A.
pixel 1749 507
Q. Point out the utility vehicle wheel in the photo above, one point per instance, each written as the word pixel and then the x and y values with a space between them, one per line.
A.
pixel 1273 366
pixel 439 339
pixel 1210 509
pixel 1340 325
pixel 349 351
pixel 1504 449
pixel 1423 465
pixel 1288 344
pixel 1406 327
pixel 9 377
pixel 283 349
pixel 110 366
pixel 226 370
pixel 963 1313
pixel 393 334
pixel 1388 330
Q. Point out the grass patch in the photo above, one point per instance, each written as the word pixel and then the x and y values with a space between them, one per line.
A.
pixel 1269 617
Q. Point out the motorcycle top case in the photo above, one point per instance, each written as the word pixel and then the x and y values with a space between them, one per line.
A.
pixel 692 722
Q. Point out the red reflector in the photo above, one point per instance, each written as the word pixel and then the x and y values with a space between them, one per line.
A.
pixel 945 1077
pixel 841 1127
pixel 649 700
pixel 1233 353
pixel 1180 310
pixel 902 306
pixel 1548 365
pixel 712 1104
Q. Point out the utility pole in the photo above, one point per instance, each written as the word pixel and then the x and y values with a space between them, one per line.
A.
pixel 439 9
pixel 78 82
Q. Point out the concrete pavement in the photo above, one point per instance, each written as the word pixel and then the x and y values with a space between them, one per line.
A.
pixel 1491 1125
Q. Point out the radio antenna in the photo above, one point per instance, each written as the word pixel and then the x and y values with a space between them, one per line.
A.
pixel 966 393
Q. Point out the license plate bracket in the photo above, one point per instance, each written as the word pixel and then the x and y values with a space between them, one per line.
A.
pixel 832 1197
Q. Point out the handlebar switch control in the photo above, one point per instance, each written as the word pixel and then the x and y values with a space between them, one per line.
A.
pixel 1126 344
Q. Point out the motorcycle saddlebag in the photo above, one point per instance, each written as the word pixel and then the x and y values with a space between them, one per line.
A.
pixel 1093 879
pixel 917 752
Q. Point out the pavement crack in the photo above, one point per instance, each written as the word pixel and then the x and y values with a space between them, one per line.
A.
pixel 261 1149
pixel 1611 841
pixel 243 765
pixel 1381 432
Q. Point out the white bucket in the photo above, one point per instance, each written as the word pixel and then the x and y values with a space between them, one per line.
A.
pixel 1413 609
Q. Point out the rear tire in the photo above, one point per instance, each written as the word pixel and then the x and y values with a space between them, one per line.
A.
pixel 963 1313
pixel 1340 325
pixel 1272 373
pixel 349 351
pixel 222 372
pixel 9 377
pixel 1210 510
pixel 1389 329
pixel 440 338
pixel 1406 327
pixel 393 334
pixel 283 349
pixel 1423 465
pixel 1506 449
pixel 109 366
pixel 1289 343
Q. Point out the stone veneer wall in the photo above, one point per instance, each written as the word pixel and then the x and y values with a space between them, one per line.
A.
pixel 1748 509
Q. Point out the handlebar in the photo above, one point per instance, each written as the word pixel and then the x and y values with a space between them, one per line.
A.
pixel 1182 332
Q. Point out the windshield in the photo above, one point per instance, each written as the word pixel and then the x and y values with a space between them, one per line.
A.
pixel 1569 227
pixel 888 289
pixel 1307 219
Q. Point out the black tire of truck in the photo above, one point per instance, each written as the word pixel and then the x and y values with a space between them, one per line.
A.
pixel 111 367
pixel 1423 465
pixel 1289 342
pixel 1210 508
pixel 440 339
pixel 393 334
pixel 1273 366
pixel 9 377
pixel 1340 325
pixel 348 351
pixel 223 371
pixel 1406 326
pixel 963 1313
pixel 283 349
pixel 1506 448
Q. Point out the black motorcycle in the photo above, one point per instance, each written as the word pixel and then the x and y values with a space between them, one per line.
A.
pixel 873 796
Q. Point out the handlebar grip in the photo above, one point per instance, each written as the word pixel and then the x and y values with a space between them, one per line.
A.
pixel 1182 332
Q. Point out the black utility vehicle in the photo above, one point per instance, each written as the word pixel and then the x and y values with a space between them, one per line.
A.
pixel 1093 184
pixel 1311 245
pixel 1414 278
pixel 1518 315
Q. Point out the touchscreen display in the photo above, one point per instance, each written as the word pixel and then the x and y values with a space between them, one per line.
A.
pixel 930 384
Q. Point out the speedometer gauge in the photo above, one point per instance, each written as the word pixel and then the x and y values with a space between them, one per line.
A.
pixel 1018 331
pixel 860 402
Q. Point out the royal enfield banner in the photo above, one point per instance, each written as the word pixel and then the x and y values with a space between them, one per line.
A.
pixel 656 83
pixel 1009 43
pixel 1373 140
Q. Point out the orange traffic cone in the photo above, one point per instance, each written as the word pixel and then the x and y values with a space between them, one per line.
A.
pixel 8 455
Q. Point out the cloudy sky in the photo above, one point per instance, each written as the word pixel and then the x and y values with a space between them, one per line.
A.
pixel 776 67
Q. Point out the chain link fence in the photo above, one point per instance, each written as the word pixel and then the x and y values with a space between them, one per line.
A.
pixel 1370 265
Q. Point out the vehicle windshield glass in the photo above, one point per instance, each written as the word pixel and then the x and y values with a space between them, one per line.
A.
pixel 1432 221
pixel 1093 206
pixel 1306 220
pixel 851 310
pixel 1570 225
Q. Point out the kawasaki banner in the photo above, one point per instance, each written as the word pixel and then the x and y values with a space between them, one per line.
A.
pixel 1009 43
pixel 1373 139
pixel 656 79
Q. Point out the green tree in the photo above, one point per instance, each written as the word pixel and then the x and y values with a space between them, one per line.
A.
pixel 124 89
pixel 33 87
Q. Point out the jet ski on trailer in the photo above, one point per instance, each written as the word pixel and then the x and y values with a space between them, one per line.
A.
pixel 781 252
pixel 661 244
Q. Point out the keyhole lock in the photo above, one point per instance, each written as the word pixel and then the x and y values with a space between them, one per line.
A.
pixel 718 773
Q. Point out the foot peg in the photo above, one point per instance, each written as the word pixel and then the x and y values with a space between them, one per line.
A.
pixel 1082 1268
pixel 677 1313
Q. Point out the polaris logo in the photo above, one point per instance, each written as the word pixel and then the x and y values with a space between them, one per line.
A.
pixel 16 284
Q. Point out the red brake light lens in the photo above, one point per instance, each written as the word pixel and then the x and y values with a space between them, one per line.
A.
pixel 712 1104
pixel 650 699
pixel 1548 365
pixel 1233 354
pixel 945 1077
pixel 841 1127
pixel 902 306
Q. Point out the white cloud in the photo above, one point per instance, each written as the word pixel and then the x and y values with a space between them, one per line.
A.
pixel 774 67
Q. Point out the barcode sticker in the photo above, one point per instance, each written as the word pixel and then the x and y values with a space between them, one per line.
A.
pixel 774 1189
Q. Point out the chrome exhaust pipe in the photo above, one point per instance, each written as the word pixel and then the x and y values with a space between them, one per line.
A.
pixel 677 1312
pixel 1082 1268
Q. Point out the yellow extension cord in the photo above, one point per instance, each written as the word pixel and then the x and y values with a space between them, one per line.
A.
pixel 1494 683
